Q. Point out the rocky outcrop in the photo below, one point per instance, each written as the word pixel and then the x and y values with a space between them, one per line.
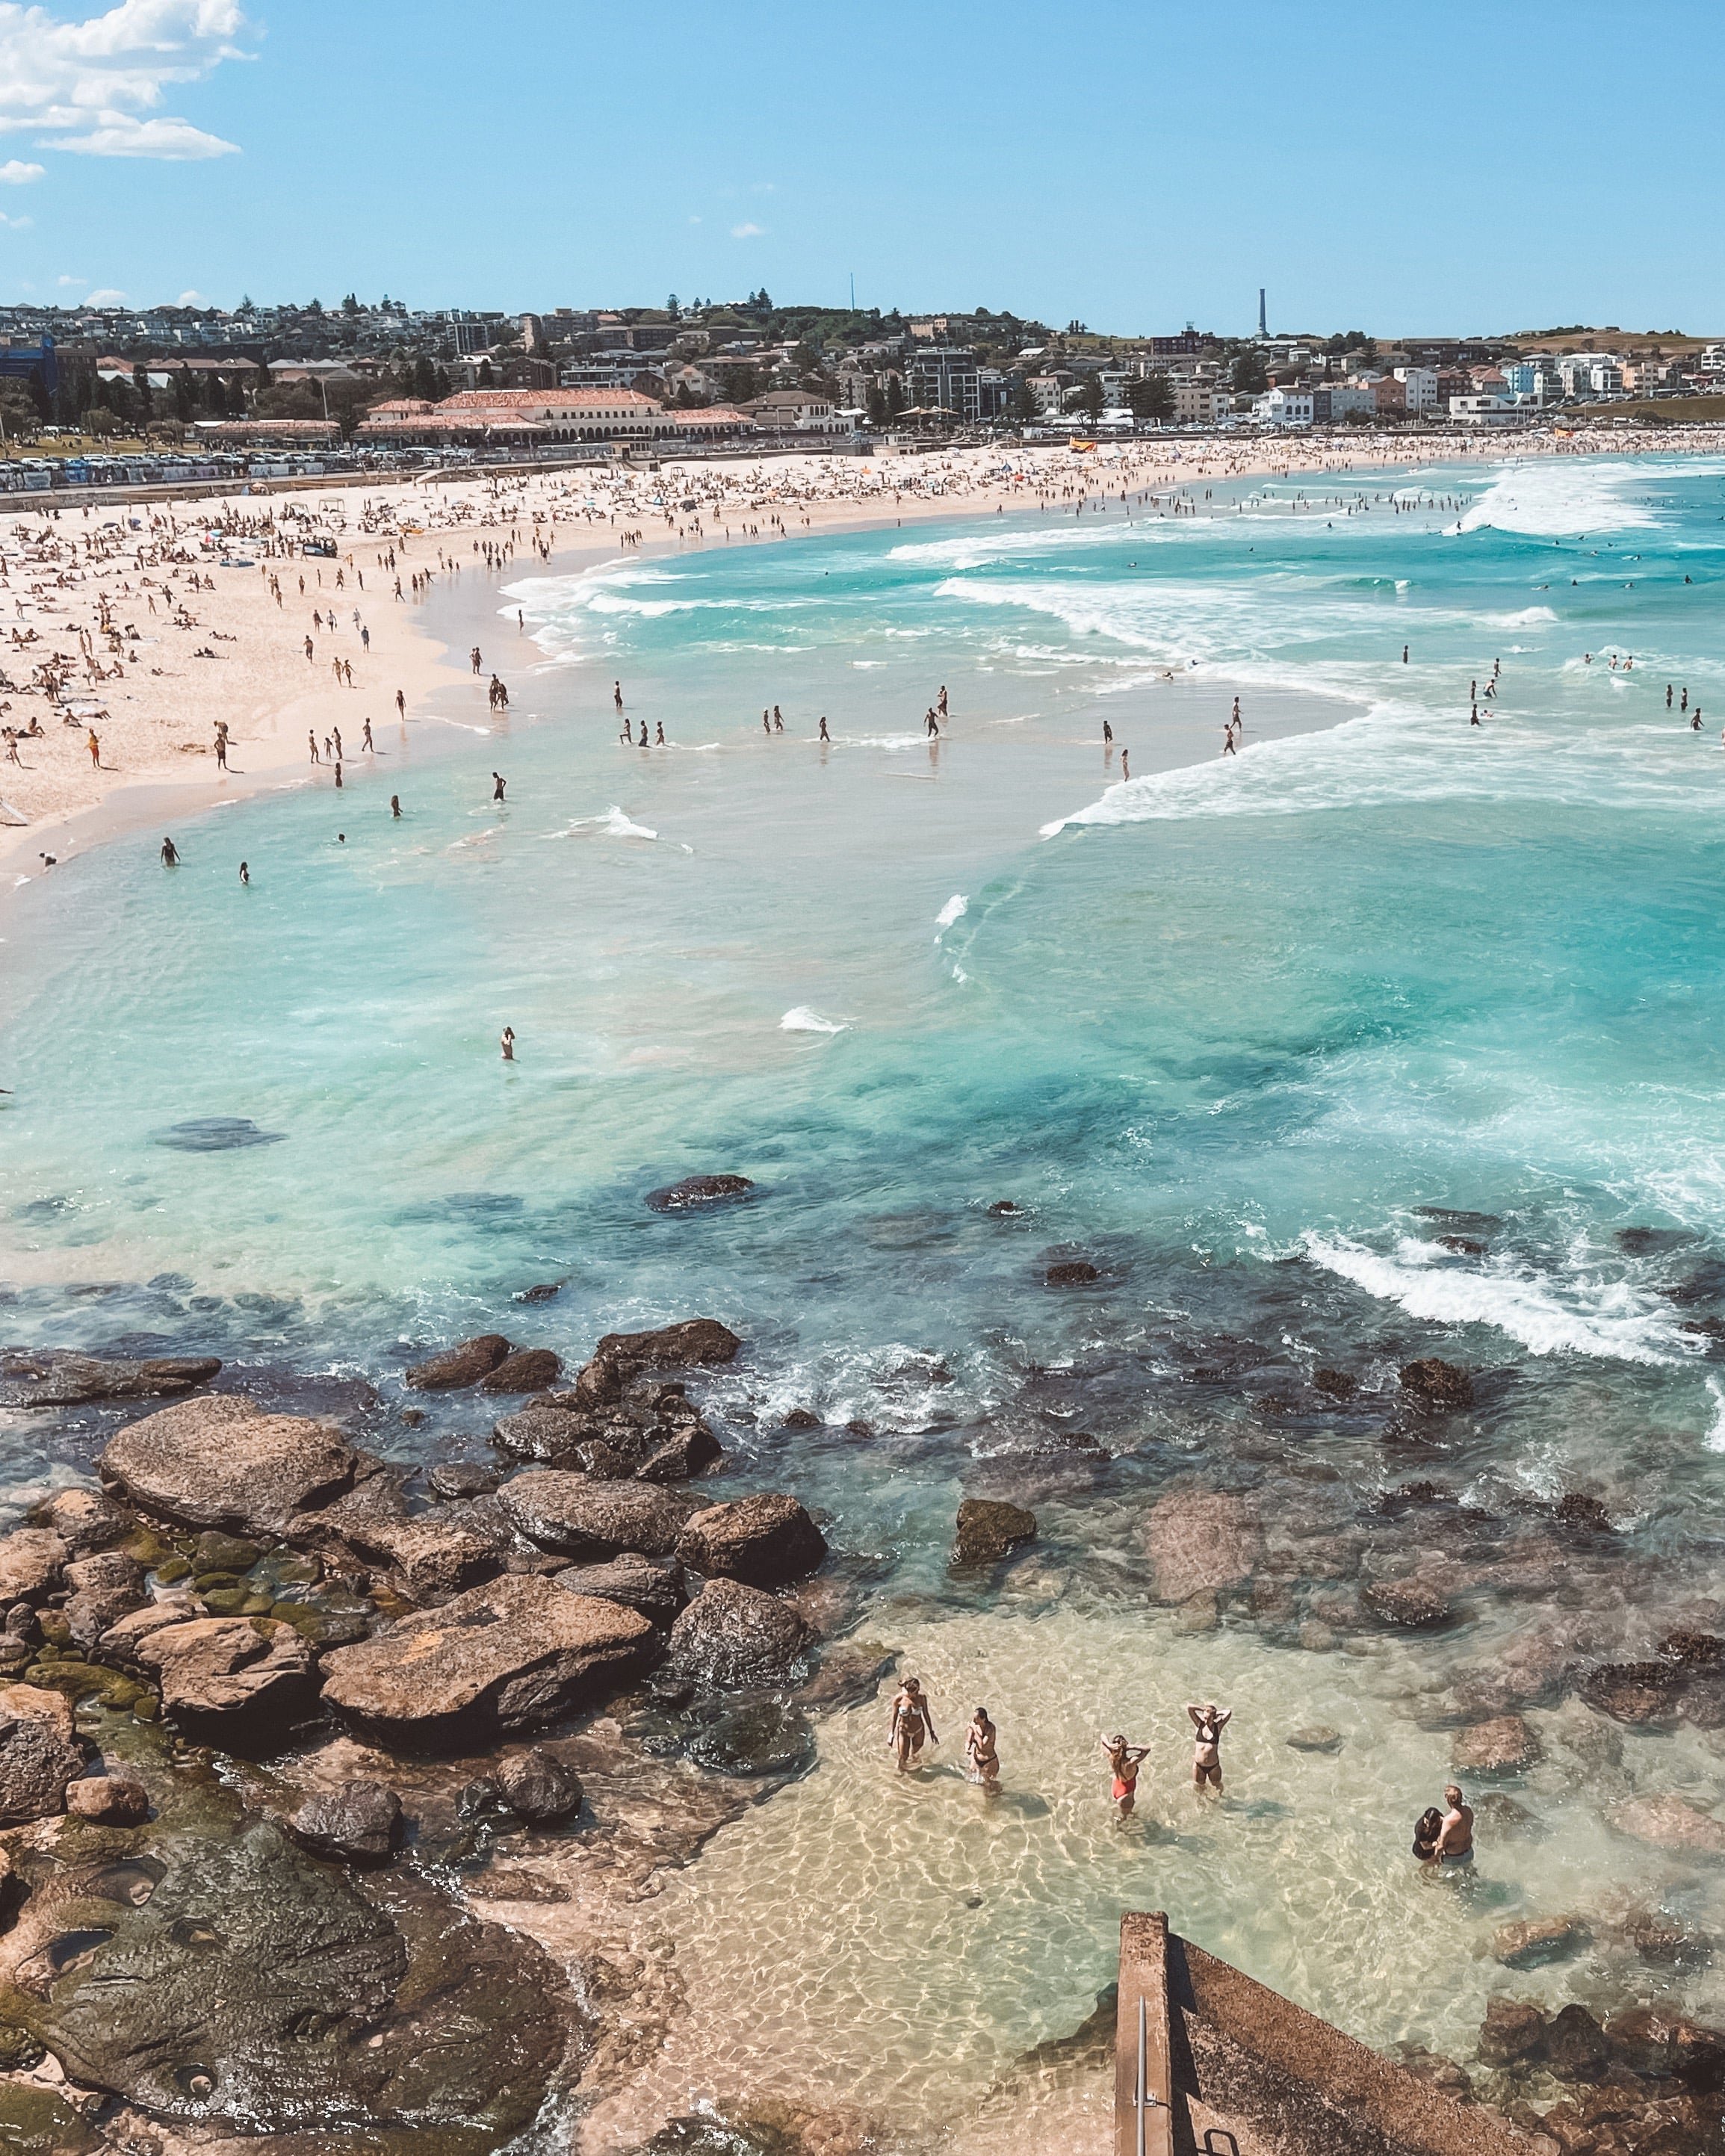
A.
pixel 222 1462
pixel 542 1432
pixel 62 1378
pixel 108 1799
pixel 359 1823
pixel 1641 1694
pixel 654 1586
pixel 1431 1383
pixel 32 1560
pixel 987 1530
pixel 1670 1822
pixel 1503 1745
pixel 693 1343
pixel 39 1754
pixel 104 1587
pixel 766 1541
pixel 524 1370
pixel 1412 1603
pixel 431 1556
pixel 84 1520
pixel 1199 1542
pixel 696 1193
pixel 224 1678
pixel 511 1655
pixel 583 1518
pixel 734 1635
pixel 464 1364
pixel 1071 1272
pixel 691 1449
pixel 538 1787
pixel 1532 1942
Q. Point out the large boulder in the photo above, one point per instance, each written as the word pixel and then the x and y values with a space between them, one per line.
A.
pixel 431 1558
pixel 1432 1383
pixel 1641 1694
pixel 763 1541
pixel 359 1823
pixel 32 1560
pixel 104 1587
pixel 222 1462
pixel 734 1635
pixel 39 1754
pixel 654 1586
pixel 525 1370
pixel 464 1364
pixel 988 1530
pixel 542 1432
pixel 108 1799
pixel 1413 1603
pixel 1514 2032
pixel 1671 1822
pixel 695 1342
pixel 691 1449
pixel 587 1519
pixel 511 1655
pixel 1532 1942
pixel 220 1675
pixel 1659 2044
pixel 1503 1745
pixel 1199 1542
pixel 84 1520
pixel 61 1378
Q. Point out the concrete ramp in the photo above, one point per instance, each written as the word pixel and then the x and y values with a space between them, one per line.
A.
pixel 1231 2068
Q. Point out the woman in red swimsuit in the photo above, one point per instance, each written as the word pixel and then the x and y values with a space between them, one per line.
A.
pixel 1123 1760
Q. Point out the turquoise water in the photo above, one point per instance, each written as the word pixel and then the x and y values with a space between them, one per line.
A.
pixel 1222 1031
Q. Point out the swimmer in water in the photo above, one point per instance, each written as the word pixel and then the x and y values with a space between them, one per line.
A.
pixel 507 1043
pixel 1207 1723
pixel 980 1741
pixel 395 806
pixel 245 873
pixel 1123 1761
pixel 912 1720
pixel 170 854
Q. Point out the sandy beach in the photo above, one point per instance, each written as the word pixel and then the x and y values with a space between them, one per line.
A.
pixel 132 632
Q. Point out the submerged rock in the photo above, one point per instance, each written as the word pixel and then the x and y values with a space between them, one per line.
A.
pixel 1637 1693
pixel 988 1529
pixel 1513 2032
pixel 757 1741
pixel 1670 1822
pixel 585 1518
pixel 360 1823
pixel 464 1364
pixel 62 1378
pixel 696 1191
pixel 1437 1385
pixel 108 1799
pixel 1503 1745
pixel 1200 1541
pixel 1072 1272
pixel 1409 1602
pixel 1319 1737
pixel 1533 1941
pixel 734 1635
pixel 511 1655
pixel 764 1541
pixel 538 1787
pixel 222 1462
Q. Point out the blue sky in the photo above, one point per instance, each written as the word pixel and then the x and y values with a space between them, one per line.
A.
pixel 1468 168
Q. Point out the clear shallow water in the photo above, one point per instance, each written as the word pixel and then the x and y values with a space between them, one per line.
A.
pixel 1223 1030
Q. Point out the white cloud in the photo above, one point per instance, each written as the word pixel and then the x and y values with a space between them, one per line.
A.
pixel 17 224
pixel 748 231
pixel 96 86
pixel 105 297
pixel 191 299
pixel 16 174
pixel 74 280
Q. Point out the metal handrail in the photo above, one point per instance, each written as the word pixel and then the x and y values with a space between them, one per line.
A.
pixel 1144 2101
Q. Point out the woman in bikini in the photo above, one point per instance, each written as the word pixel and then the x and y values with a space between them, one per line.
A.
pixel 1207 1723
pixel 980 1740
pixel 1123 1760
pixel 911 1721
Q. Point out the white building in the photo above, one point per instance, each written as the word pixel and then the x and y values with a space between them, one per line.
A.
pixel 1419 388
pixel 1483 411
pixel 1283 408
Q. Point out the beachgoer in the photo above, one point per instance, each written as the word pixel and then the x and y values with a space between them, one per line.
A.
pixel 170 854
pixel 940 701
pixel 498 782
pixel 824 734
pixel 1107 734
pixel 1455 1843
pixel 95 749
pixel 312 738
pixel 617 694
pixel 1207 1723
pixel 395 805
pixel 642 742
pixel 911 1722
pixel 1474 719
pixel 401 705
pixel 659 734
pixel 507 1043
pixel 1228 747
pixel 245 873
pixel 338 774
pixel 1123 1761
pixel 778 722
pixel 365 740
pixel 1404 655
pixel 1427 1828
pixel 980 1741
pixel 1125 763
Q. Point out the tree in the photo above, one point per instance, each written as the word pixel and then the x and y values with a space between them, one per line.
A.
pixel 894 395
pixel 672 309
pixel 1089 396
pixel 424 381
pixel 350 305
pixel 1249 373
pixel 877 405
pixel 486 378
pixel 1150 397
pixel 141 386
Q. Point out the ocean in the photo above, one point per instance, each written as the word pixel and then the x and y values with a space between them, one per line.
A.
pixel 1389 1037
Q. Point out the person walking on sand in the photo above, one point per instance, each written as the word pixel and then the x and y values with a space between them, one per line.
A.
pixel 222 746
pixel 498 782
pixel 1455 1842
pixel 1124 1760
pixel 1207 1723
pixel 401 705
pixel 912 1720
pixel 507 1043
pixel 311 737
pixel 365 739
pixel 980 1743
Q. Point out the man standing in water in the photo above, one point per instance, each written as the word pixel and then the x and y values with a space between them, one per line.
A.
pixel 498 782
pixel 1207 1723
pixel 1455 1843
pixel 912 1720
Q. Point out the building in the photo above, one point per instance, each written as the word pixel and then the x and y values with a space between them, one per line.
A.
pixel 1199 403
pixel 1419 388
pixel 1283 408
pixel 1483 411
pixel 796 411
pixel 945 377
pixel 1350 398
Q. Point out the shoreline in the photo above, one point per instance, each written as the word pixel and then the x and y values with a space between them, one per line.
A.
pixel 152 784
